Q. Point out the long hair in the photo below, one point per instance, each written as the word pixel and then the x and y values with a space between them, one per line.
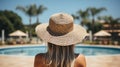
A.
pixel 59 56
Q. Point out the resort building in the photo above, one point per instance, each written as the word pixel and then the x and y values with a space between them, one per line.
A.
pixel 114 30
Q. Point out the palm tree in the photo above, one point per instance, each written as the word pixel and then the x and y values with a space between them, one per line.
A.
pixel 93 12
pixel 81 15
pixel 110 20
pixel 30 11
pixel 106 19
pixel 39 11
pixel 84 16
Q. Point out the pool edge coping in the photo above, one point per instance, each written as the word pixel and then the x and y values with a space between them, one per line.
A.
pixel 76 45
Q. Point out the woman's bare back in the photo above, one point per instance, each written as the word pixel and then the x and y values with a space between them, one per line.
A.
pixel 40 61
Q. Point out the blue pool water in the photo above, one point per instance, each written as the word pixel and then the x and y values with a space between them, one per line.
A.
pixel 33 50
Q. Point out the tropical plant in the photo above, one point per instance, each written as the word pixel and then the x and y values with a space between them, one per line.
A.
pixel 84 16
pixel 15 20
pixel 81 15
pixel 104 18
pixel 93 12
pixel 10 21
pixel 6 25
pixel 110 20
pixel 39 11
pixel 30 11
pixel 97 26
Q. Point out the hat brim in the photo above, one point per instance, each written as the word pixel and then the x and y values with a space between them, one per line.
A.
pixel 75 36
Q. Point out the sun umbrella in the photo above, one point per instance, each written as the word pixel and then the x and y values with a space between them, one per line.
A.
pixel 102 33
pixel 18 33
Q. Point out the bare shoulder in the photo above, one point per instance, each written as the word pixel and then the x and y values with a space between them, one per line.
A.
pixel 39 55
pixel 81 57
pixel 80 61
pixel 39 59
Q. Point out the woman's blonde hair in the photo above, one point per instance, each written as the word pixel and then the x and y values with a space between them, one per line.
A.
pixel 59 56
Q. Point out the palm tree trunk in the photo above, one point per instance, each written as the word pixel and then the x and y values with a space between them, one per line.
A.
pixel 82 23
pixel 30 33
pixel 93 22
pixel 37 19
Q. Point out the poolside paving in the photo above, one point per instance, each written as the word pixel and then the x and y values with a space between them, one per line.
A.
pixel 16 61
pixel 28 61
pixel 103 61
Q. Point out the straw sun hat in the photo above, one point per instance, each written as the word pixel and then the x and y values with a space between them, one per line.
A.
pixel 61 30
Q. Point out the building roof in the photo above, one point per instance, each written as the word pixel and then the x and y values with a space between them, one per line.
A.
pixel 18 33
pixel 102 33
pixel 113 30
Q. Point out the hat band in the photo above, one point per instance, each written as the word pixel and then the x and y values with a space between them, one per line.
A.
pixel 59 29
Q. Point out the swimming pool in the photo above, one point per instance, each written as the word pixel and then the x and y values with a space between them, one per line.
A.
pixel 33 50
